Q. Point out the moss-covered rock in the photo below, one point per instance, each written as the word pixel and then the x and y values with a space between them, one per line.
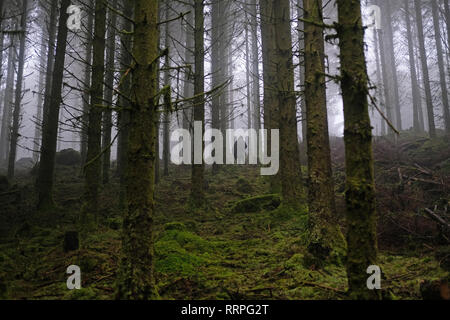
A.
pixel 68 157
pixel 254 204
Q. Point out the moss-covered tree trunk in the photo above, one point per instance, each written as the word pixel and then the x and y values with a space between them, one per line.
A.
pixel 93 157
pixel 325 236
pixel 360 188
pixel 197 192
pixel 425 73
pixel 51 116
pixel 291 185
pixel 136 279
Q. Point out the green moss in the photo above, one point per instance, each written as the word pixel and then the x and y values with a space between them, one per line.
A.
pixel 181 252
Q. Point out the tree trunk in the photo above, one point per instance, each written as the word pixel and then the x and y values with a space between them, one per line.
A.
pixel 197 194
pixel 386 85
pixel 166 117
pixel 93 164
pixel 360 187
pixel 247 70
pixel 393 65
pixel 109 84
pixel 216 71
pixel 87 85
pixel 301 46
pixel 124 114
pixel 40 98
pixel 7 104
pixel 412 68
pixel 442 76
pixel 447 22
pixel 325 237
pixel 255 66
pixel 136 279
pixel 18 98
pixel 425 74
pixel 188 88
pixel 379 81
pixel 271 114
pixel 50 123
pixel 291 186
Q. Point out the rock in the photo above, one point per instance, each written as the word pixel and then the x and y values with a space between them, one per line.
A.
pixel 24 164
pixel 4 184
pixel 68 157
pixel 71 242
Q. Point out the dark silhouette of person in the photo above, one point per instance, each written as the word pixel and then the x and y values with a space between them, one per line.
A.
pixel 236 148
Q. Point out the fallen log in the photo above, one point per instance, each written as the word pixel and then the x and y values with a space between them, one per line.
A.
pixel 437 218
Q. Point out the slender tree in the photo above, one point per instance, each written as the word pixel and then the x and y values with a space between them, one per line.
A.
pixel 392 63
pixel 255 64
pixel 7 104
pixel 412 67
pixel 125 88
pixel 360 188
pixel 425 73
pixel 18 97
pixel 136 278
pixel 109 84
pixel 86 83
pixel 93 164
pixel 166 116
pixel 197 193
pixel 442 73
pixel 40 98
pixel 271 114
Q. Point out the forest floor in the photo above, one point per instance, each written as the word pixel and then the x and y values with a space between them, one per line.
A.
pixel 221 252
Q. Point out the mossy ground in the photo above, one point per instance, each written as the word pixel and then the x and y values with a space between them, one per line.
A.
pixel 214 253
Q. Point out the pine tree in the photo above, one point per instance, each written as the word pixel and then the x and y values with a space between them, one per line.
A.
pixel 44 181
pixel 325 236
pixel 197 193
pixel 136 279
pixel 290 173
pixel 360 188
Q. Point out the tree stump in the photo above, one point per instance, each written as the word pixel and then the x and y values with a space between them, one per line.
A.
pixel 71 242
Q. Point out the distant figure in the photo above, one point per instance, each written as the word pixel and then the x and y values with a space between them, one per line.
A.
pixel 237 143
